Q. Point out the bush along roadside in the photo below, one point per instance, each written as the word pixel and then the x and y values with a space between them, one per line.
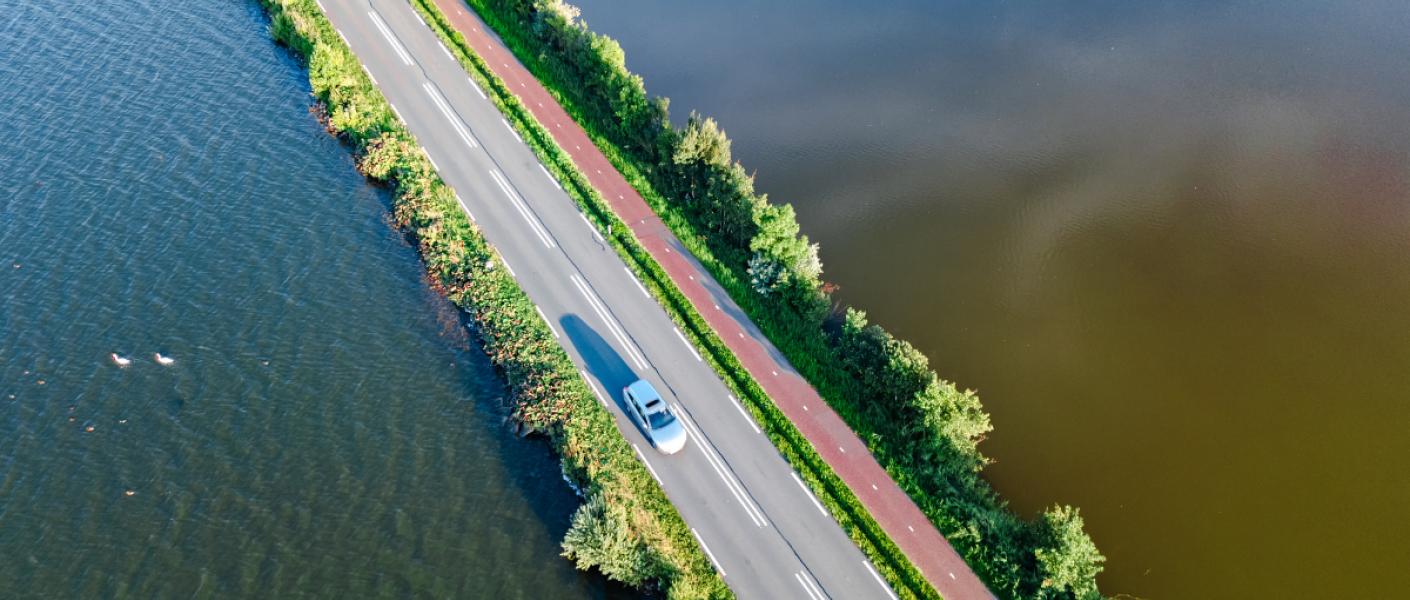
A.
pixel 832 492
pixel 628 527
pixel 922 429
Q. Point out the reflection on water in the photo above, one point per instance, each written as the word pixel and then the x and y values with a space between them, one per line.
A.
pixel 327 428
pixel 1167 242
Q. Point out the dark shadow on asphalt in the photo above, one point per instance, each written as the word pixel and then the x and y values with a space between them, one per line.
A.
pixel 601 361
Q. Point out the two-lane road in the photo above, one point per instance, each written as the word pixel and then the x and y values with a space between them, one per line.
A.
pixel 763 529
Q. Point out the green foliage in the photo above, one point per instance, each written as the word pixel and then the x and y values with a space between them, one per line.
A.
pixel 922 429
pixel 602 537
pixel 765 274
pixel 641 536
pixel 1067 555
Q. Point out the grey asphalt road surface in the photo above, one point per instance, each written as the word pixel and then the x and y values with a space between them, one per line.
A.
pixel 763 529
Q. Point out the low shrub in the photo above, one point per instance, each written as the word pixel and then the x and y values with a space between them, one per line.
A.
pixel 922 429
pixel 629 528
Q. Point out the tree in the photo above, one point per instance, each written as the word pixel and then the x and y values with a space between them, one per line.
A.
pixel 601 537
pixel 1068 560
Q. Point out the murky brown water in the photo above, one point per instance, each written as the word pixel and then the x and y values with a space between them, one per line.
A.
pixel 1168 242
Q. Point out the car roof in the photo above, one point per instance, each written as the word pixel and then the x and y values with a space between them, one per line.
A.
pixel 644 392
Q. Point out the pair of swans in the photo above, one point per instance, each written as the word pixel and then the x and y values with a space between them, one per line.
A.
pixel 123 362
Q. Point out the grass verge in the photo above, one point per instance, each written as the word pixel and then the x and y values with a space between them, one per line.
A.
pixel 904 578
pixel 628 528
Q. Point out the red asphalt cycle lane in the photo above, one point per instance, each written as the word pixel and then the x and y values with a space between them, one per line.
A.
pixel 898 516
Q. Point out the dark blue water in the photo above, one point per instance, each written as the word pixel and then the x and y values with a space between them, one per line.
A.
pixel 327 428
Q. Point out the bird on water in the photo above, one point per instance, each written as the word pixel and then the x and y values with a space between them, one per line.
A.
pixel 166 360
pixel 121 362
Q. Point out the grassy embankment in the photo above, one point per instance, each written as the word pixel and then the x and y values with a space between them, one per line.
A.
pixel 628 527
pixel 835 495
pixel 922 429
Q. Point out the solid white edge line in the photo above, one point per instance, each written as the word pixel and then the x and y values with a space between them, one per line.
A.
pixel 369 75
pixel 450 115
pixel 446 50
pixel 545 322
pixel 813 582
pixel 320 6
pixel 636 281
pixel 591 228
pixel 511 129
pixel 523 209
pixel 809 492
pixel 735 487
pixel 708 552
pixel 463 206
pixel 648 464
pixel 394 110
pixel 433 161
pixel 477 89
pixel 387 33
pixel 551 178
pixel 343 37
pixel 418 17
pixel 804 582
pixel 507 268
pixel 686 342
pixel 594 388
pixel 745 413
pixel 612 325
pixel 879 580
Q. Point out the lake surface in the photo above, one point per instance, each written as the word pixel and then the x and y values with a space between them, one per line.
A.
pixel 1168 242
pixel 327 428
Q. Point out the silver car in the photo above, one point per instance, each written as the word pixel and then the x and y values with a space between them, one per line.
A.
pixel 653 415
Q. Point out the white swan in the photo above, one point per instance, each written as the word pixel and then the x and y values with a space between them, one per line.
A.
pixel 121 362
pixel 166 360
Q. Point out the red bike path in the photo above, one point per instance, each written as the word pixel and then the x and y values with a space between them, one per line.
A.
pixel 891 507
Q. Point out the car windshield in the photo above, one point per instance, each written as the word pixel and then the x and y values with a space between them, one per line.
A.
pixel 661 418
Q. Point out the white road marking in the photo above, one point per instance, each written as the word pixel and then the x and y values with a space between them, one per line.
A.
pixel 446 50
pixel 545 322
pixel 369 74
pixel 718 463
pixel 507 268
pixel 455 121
pixel 320 6
pixel 418 17
pixel 340 34
pixel 648 466
pixel 594 388
pixel 511 130
pixel 433 161
pixel 809 492
pixel 612 324
pixel 952 575
pixel 591 228
pixel 687 343
pixel 387 33
pixel 880 580
pixel 462 205
pixel 739 406
pixel 708 552
pixel 809 586
pixel 477 88
pixel 522 208
pixel 637 282
pixel 551 178
pixel 397 112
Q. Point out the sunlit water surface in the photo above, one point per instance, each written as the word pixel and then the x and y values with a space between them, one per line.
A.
pixel 327 428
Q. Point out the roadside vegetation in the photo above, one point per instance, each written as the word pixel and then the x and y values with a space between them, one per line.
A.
pixel 627 527
pixel 922 429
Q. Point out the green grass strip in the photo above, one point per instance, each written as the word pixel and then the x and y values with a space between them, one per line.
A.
pixel 547 390
pixel 844 506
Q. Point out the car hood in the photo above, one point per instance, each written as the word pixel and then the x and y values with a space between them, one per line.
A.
pixel 671 438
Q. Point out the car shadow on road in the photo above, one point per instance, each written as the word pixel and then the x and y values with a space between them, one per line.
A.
pixel 601 361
